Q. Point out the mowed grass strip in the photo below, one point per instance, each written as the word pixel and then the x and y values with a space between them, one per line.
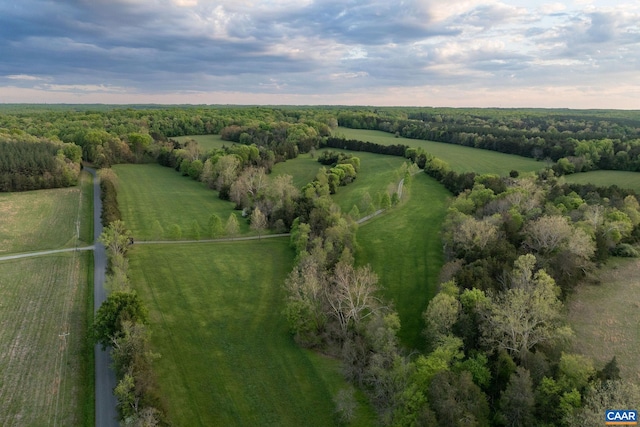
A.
pixel 623 179
pixel 44 219
pixel 46 365
pixel 149 193
pixel 460 158
pixel 404 248
pixel 227 358
pixel 605 317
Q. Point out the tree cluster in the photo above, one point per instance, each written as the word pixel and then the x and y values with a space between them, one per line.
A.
pixel 121 324
pixel 28 163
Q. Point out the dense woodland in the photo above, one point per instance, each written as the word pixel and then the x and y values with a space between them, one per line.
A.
pixel 515 247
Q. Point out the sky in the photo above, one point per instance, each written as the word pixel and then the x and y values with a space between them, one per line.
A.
pixel 456 53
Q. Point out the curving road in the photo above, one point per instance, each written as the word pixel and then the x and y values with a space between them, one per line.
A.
pixel 105 377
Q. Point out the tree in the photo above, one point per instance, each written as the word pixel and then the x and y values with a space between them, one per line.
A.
pixel 116 238
pixel 232 228
pixel 117 308
pixel 605 395
pixel 258 222
pixel 215 226
pixel 457 401
pixel 525 315
pixel 517 401
pixel 351 295
pixel 175 232
pixel 440 316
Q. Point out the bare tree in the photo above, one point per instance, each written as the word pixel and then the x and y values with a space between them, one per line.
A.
pixel 351 295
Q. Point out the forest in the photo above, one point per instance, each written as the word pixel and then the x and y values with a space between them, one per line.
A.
pixel 515 247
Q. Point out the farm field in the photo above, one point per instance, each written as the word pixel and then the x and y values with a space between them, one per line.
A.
pixel 45 219
pixel 227 358
pixel 623 179
pixel 461 159
pixel 377 173
pixel 404 248
pixel 46 363
pixel 605 317
pixel 205 142
pixel 152 193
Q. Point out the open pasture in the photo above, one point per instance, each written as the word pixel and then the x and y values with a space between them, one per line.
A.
pixel 460 158
pixel 150 195
pixel 46 364
pixel 226 355
pixel 377 174
pixel 623 179
pixel 605 317
pixel 45 219
pixel 404 248
pixel 205 142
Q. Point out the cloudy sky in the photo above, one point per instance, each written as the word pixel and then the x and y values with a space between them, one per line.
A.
pixel 512 53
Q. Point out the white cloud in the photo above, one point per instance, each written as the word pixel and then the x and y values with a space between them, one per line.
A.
pixel 24 77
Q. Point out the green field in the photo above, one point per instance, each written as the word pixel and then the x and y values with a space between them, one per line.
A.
pixel 149 193
pixel 623 179
pixel 377 174
pixel 227 358
pixel 205 142
pixel 46 364
pixel 405 250
pixel 605 317
pixel 45 219
pixel 461 159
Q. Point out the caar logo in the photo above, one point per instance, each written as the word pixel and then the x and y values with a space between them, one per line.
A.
pixel 621 417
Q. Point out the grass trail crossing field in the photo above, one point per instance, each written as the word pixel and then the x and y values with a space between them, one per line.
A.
pixel 460 158
pixel 226 355
pixel 148 193
pixel 404 248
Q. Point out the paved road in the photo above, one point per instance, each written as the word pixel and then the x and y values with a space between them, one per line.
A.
pixel 106 413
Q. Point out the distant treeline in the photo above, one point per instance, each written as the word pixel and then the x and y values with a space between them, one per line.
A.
pixel 580 141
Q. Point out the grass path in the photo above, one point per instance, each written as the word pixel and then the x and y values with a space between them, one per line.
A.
pixel 404 248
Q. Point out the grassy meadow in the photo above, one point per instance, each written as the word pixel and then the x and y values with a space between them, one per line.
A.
pixel 623 179
pixel 378 173
pixel 404 248
pixel 205 142
pixel 227 358
pixel 45 219
pixel 605 317
pixel 461 159
pixel 151 194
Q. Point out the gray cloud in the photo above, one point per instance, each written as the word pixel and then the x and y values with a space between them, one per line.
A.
pixel 328 47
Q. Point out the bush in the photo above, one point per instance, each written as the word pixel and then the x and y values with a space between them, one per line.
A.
pixel 625 250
